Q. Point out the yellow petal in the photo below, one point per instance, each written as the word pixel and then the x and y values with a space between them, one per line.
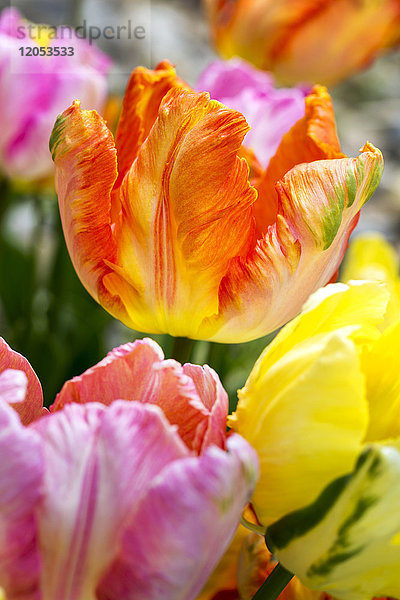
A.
pixel 370 256
pixel 357 307
pixel 306 417
pixel 380 363
pixel 348 542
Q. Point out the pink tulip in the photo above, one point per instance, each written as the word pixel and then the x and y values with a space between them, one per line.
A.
pixel 34 89
pixel 269 111
pixel 106 498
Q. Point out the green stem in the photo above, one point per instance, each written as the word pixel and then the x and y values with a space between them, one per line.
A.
pixel 182 349
pixel 275 583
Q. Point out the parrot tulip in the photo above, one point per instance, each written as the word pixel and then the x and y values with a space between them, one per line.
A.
pixel 97 498
pixel 321 407
pixel 167 233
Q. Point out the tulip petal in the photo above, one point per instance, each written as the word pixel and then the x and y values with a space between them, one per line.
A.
pixel 100 461
pixel 356 308
pixel 319 207
pixel 191 397
pixel 223 580
pixel 215 399
pixel 312 357
pixel 186 191
pixel 381 367
pixel 269 111
pixel 351 533
pixel 86 168
pixel 13 386
pixel 21 471
pixel 371 257
pixel 31 407
pixel 307 51
pixel 142 99
pixel 305 40
pixel 183 526
pixel 307 417
pixel 312 138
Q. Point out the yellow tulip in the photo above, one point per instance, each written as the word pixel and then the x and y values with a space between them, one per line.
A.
pixel 322 409
pixel 371 257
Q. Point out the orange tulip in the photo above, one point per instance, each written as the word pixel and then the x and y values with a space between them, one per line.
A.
pixel 165 229
pixel 307 41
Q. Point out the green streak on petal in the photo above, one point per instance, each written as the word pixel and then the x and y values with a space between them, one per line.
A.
pixel 55 137
pixel 373 180
pixel 325 566
pixel 298 523
pixel 333 218
pixel 351 185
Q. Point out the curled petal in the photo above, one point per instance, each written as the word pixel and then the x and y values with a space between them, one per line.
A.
pixel 303 442
pixel 215 399
pixel 166 553
pixel 142 99
pixel 319 205
pixel 282 416
pixel 31 407
pixel 269 111
pixel 312 138
pixel 21 471
pixel 191 397
pixel 86 169
pixel 347 542
pixel 356 308
pixel 186 191
pixel 100 462
pixel 371 257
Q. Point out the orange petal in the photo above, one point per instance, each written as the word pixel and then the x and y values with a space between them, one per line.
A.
pixel 319 205
pixel 305 41
pixel 312 138
pixel 186 212
pixel 86 169
pixel 334 40
pixel 140 106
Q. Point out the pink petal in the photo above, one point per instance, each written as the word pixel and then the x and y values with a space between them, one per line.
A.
pixel 32 407
pixel 183 526
pixel 191 397
pixel 21 471
pixel 100 462
pixel 269 111
pixel 215 399
pixel 13 385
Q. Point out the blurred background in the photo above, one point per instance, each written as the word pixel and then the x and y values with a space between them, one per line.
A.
pixel 45 313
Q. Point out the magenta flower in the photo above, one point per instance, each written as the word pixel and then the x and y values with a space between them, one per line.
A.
pixel 35 89
pixel 269 111
pixel 107 499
